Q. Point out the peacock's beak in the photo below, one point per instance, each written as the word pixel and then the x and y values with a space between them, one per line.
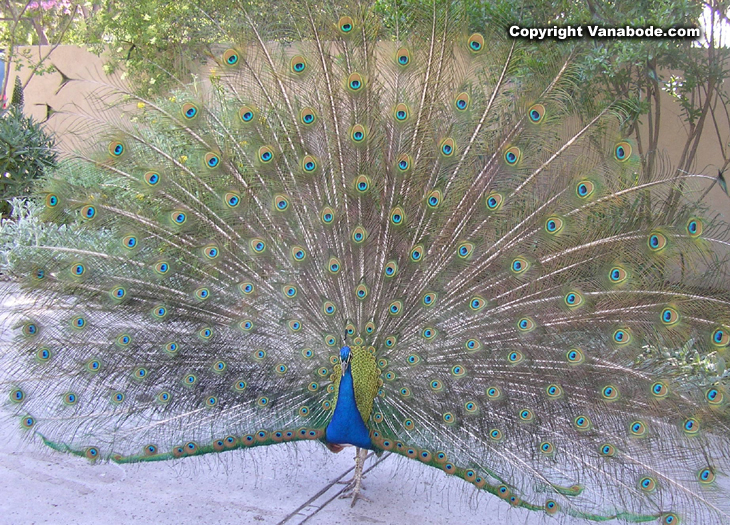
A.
pixel 345 363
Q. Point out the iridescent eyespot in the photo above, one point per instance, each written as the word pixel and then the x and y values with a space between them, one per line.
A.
pixel 434 199
pixel 246 325
pixel 130 242
pixel 714 396
pixel 345 25
pixel 656 241
pixel 369 327
pixel 259 355
pixel 536 113
pixel 266 154
pixel 246 288
pixel 573 299
pixel 309 163
pixel 721 337
pixel 211 251
pixel 327 215
pixel 88 212
pixel 553 224
pixel 43 354
pixel 290 291
pixel 330 340
pixel 413 359
pixel 361 291
pixel 403 57
pixel 91 453
pixel 554 391
pixel 51 200
pixel 637 428
pixel 617 275
pixel 551 507
pixel 609 393
pixel 607 450
pixel 178 217
pixel 447 147
pixel 670 519
pixel 189 111
pixel 471 407
pixel 362 184
pixel 622 151
pixel 358 133
pixel 355 82
pixel 525 324
pixel 429 299
pixel 462 101
pixel 403 163
pixel 359 234
pixel 428 333
pixel 526 415
pixel 494 201
pixel 29 329
pixel 172 348
pixel 298 253
pixel 78 322
pixel 93 366
pixel 17 396
pixel 163 397
pixel 465 250
pixel 512 155
pixel 246 114
pixel 575 356
pixel 212 160
pixel 398 216
pixel 691 426
pixel 395 307
pixel 232 199
pixel 547 448
pixel 230 57
pixel 257 245
pixel 584 189
pixel 307 116
pixel 694 227
pixel 621 336
pixel 280 369
pixel 202 294
pixel 298 64
pixel 669 316
pixel 582 423
pixel 495 434
pixel 448 418
pixel 458 371
pixel 116 148
pixel 70 398
pixel 152 178
pixel 515 357
pixel 476 43
pixel 240 385
pixel 706 476
pixel 647 484
pixel 390 341
pixel 219 367
pixel 417 253
pixel 391 268
pixel 329 308
pixel 472 345
pixel 401 112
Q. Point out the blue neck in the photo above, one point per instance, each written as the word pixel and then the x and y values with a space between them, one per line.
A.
pixel 347 426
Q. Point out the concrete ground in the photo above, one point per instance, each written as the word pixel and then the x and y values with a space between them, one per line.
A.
pixel 284 484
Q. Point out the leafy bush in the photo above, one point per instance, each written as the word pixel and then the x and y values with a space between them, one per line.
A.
pixel 26 151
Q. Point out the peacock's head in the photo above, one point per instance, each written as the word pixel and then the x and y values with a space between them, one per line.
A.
pixel 345 356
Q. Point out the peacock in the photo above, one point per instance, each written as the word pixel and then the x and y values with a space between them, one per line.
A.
pixel 400 235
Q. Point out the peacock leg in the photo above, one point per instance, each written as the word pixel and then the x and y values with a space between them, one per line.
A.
pixel 354 486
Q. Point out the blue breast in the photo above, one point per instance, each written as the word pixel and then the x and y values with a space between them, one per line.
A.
pixel 347 426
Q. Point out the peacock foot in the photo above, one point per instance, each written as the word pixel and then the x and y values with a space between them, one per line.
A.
pixel 355 485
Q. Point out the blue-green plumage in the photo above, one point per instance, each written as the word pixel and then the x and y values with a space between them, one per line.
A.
pixel 347 425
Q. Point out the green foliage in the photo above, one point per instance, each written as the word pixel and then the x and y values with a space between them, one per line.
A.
pixel 26 151
pixel 17 99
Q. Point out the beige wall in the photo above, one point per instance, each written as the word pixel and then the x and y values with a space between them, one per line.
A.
pixel 80 64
